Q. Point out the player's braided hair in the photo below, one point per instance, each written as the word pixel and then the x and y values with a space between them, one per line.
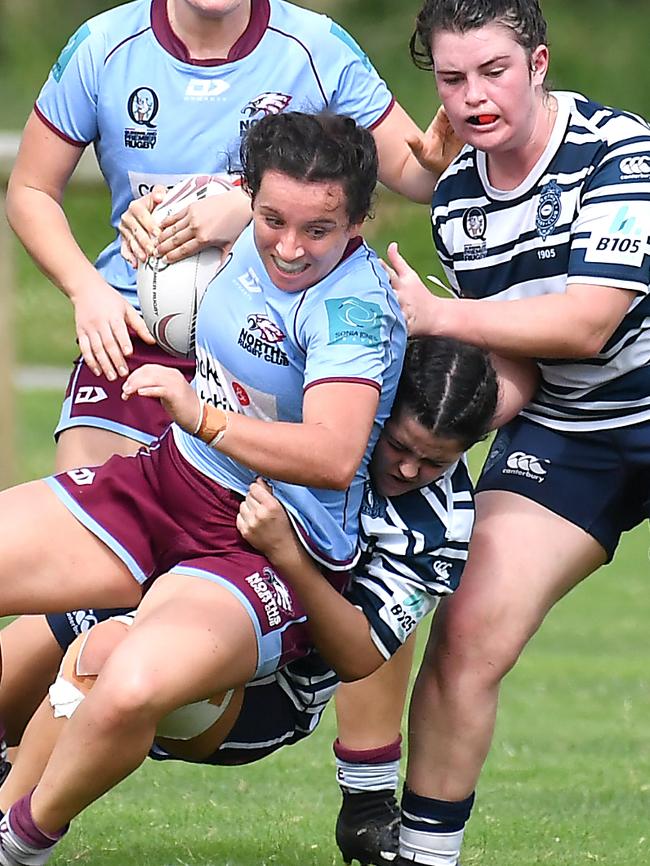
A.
pixel 523 17
pixel 450 387
pixel 313 147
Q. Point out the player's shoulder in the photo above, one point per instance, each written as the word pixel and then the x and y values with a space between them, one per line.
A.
pixel 121 21
pixel 459 180
pixel 605 124
pixel 359 272
pixel 107 30
pixel 318 31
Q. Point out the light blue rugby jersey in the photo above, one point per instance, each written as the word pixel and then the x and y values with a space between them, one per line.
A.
pixel 414 551
pixel 259 348
pixel 125 83
pixel 582 216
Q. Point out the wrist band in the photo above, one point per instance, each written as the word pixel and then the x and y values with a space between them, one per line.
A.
pixel 213 425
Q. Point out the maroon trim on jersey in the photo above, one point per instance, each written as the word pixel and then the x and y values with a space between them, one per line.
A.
pixel 123 42
pixel 350 380
pixel 311 60
pixel 336 571
pixel 383 116
pixel 247 42
pixel 352 247
pixel 57 131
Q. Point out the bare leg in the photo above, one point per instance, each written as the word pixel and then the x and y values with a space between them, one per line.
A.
pixel 50 562
pixel 523 559
pixel 368 752
pixel 81 666
pixel 38 743
pixel 191 640
pixel 369 711
pixel 31 656
pixel 90 446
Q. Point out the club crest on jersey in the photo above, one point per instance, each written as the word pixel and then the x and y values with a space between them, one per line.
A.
pixel 475 226
pixel 142 107
pixel 266 103
pixel 372 505
pixel 548 209
pixel 261 338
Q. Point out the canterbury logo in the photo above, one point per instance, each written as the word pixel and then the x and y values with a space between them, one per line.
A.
pixel 518 460
pixel 635 165
pixel 442 570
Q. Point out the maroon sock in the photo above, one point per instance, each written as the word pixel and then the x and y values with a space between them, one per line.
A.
pixel 380 755
pixel 23 824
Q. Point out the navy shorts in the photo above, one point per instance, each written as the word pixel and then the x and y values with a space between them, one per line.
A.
pixel 599 481
pixel 93 401
pixel 159 514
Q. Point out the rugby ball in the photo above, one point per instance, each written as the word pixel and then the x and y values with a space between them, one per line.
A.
pixel 170 294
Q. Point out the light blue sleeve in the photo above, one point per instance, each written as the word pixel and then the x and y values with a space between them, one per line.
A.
pixel 354 331
pixel 68 99
pixel 355 86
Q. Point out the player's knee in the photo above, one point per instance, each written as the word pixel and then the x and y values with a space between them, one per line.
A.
pixel 128 695
pixel 81 665
pixel 471 642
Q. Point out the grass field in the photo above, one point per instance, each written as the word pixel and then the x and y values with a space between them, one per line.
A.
pixel 568 780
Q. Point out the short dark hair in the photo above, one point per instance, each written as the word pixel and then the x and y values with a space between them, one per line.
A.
pixel 313 148
pixel 523 17
pixel 449 387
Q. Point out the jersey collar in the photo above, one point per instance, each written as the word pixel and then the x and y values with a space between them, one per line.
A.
pixel 247 42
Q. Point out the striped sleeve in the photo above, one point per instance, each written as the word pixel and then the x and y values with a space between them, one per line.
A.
pixel 414 551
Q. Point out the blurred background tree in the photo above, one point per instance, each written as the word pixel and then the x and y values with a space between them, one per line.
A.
pixel 598 46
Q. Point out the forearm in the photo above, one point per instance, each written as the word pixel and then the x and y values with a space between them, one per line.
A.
pixel 42 227
pixel 307 454
pixel 549 326
pixel 340 631
pixel 410 179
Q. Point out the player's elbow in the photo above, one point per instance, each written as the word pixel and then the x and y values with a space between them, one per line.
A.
pixel 591 342
pixel 338 474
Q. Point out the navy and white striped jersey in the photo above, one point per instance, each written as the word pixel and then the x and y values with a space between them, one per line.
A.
pixel 414 549
pixel 582 216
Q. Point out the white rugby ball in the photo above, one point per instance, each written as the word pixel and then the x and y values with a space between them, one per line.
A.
pixel 170 294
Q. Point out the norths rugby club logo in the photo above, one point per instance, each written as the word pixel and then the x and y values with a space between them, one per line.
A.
pixel 261 338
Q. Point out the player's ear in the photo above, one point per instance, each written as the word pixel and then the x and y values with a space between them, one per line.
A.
pixel 539 59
